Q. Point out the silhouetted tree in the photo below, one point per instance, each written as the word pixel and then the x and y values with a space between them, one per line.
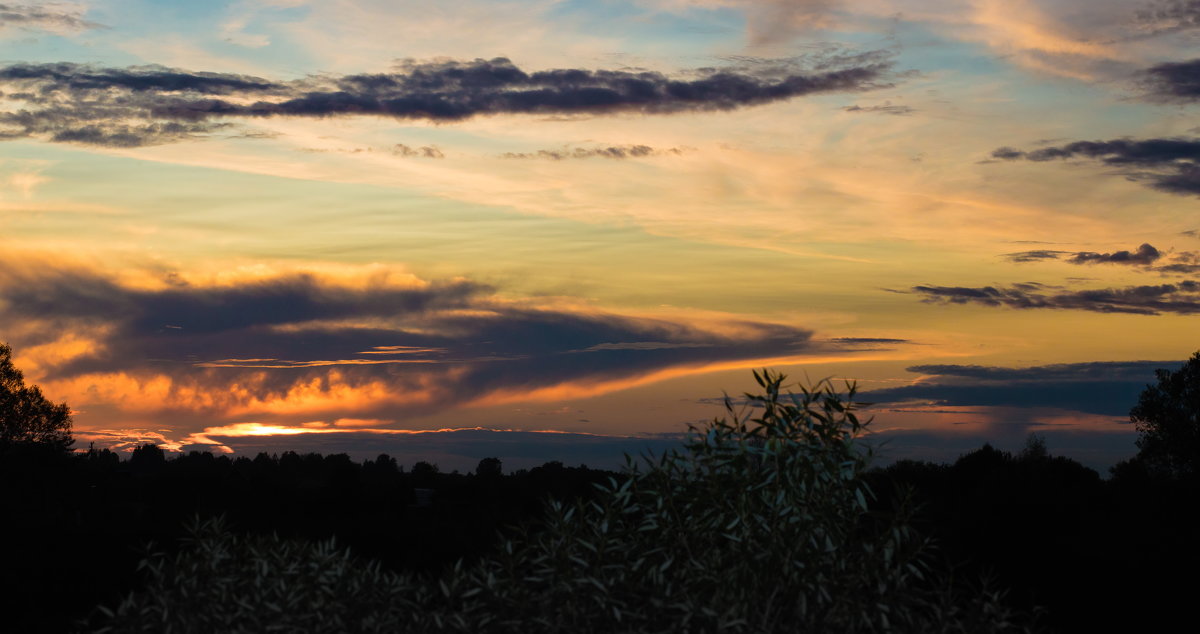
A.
pixel 423 468
pixel 424 473
pixel 386 464
pixel 27 417
pixel 489 467
pixel 1168 420
pixel 1035 448
pixel 147 458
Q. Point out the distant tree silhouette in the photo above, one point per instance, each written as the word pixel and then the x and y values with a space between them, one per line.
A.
pixel 489 467
pixel 424 473
pixel 27 417
pixel 423 468
pixel 1035 448
pixel 386 464
pixel 1168 420
pixel 147 458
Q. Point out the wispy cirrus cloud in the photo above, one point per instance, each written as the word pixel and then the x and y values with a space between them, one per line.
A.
pixel 50 16
pixel 127 107
pixel 424 151
pixel 608 152
pixel 886 108
pixel 1168 16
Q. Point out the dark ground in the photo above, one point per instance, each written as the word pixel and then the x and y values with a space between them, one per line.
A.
pixel 1090 554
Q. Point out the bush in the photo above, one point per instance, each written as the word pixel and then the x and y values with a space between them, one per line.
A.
pixel 760 524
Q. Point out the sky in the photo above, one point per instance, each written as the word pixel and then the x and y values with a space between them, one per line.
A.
pixel 563 230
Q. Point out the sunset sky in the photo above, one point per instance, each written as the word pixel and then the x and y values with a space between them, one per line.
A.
pixel 564 229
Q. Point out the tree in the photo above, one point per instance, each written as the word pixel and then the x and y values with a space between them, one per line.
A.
pixel 26 417
pixel 1168 420
pixel 1035 448
pixel 489 468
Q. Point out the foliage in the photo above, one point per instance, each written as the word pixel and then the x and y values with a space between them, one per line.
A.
pixel 1168 420
pixel 223 582
pixel 761 524
pixel 26 417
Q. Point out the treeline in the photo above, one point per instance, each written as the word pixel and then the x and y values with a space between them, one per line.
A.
pixel 1089 554
pixel 76 526
pixel 1085 553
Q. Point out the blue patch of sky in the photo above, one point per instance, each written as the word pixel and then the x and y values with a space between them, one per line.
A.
pixel 923 49
pixel 679 34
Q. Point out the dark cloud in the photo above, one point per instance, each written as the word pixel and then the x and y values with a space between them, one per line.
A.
pixel 1108 388
pixel 455 339
pixel 869 343
pixel 120 135
pixel 1136 371
pixel 1173 81
pixel 1034 256
pixel 48 83
pixel 1007 153
pixel 609 152
pixel 60 98
pixel 35 17
pixel 1169 165
pixel 77 103
pixel 1184 263
pixel 1145 255
pixel 867 340
pixel 1182 298
pixel 886 108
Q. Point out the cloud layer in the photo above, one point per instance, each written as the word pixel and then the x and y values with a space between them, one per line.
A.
pixel 294 347
pixel 608 152
pixel 145 105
